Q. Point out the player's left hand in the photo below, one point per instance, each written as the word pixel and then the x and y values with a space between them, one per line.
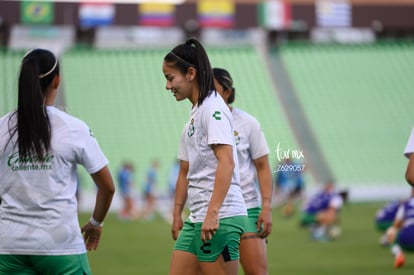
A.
pixel 209 227
pixel 264 223
pixel 91 235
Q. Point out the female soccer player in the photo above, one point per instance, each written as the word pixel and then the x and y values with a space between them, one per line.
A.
pixel 40 147
pixel 252 151
pixel 209 239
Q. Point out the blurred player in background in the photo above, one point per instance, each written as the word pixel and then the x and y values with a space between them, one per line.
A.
pixel 150 185
pixel 255 179
pixel 384 219
pixel 171 182
pixel 289 186
pixel 321 213
pixel 125 183
pixel 40 148
pixel 209 240
pixel 401 234
pixel 172 178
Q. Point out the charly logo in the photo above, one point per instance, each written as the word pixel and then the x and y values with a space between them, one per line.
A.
pixel 236 137
pixel 217 115
pixel 190 131
pixel 288 159
pixel 17 162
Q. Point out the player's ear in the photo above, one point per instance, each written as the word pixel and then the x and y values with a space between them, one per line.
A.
pixel 56 82
pixel 191 73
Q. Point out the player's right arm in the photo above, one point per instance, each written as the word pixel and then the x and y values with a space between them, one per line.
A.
pixel 106 190
pixel 180 199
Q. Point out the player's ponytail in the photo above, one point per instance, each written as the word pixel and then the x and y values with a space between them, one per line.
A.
pixel 38 69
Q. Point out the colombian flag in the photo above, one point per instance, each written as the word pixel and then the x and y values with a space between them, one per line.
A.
pixel 216 13
pixel 158 14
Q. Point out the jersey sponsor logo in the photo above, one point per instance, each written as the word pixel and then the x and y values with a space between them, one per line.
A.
pixel 190 131
pixel 18 163
pixel 217 115
pixel 205 247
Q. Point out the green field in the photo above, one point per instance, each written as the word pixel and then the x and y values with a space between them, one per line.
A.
pixel 145 247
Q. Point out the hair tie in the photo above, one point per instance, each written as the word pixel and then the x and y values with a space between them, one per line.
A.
pixel 191 43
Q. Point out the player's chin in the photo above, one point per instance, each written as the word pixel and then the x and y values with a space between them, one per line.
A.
pixel 178 97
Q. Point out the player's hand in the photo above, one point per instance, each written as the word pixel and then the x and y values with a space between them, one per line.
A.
pixel 91 235
pixel 209 226
pixel 177 225
pixel 264 223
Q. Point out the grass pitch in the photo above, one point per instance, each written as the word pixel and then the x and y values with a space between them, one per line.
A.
pixel 144 247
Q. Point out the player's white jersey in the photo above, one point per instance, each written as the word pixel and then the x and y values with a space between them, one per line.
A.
pixel 38 210
pixel 210 123
pixel 410 145
pixel 251 144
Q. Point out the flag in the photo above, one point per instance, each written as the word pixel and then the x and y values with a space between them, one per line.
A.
pixel 330 13
pixel 33 12
pixel 96 14
pixel 275 15
pixel 216 13
pixel 157 14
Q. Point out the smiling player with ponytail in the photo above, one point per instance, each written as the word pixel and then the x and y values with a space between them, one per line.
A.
pixel 208 241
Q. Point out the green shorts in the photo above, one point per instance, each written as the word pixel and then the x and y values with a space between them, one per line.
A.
pixel 383 226
pixel 225 242
pixel 252 217
pixel 44 264
pixel 308 219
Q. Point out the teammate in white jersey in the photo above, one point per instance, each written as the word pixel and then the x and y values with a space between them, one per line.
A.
pixel 209 240
pixel 40 147
pixel 255 177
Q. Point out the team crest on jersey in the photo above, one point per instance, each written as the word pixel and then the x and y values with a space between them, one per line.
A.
pixel 236 137
pixel 91 133
pixel 190 131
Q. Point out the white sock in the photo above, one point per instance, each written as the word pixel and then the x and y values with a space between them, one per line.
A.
pixel 395 249
pixel 319 231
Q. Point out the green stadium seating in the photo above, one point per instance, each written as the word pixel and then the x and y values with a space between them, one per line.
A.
pixel 358 100
pixel 9 69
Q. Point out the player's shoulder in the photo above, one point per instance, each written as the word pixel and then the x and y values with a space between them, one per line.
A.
pixel 5 118
pixel 70 121
pixel 215 102
pixel 5 123
pixel 214 99
pixel 247 118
